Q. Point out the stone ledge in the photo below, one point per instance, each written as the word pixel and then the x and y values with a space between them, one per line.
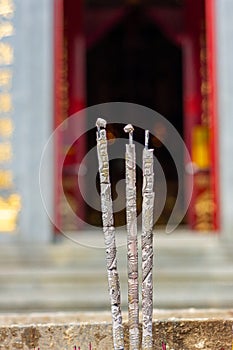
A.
pixel 181 330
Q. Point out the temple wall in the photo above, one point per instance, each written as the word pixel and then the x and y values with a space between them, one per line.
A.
pixel 224 34
pixel 32 95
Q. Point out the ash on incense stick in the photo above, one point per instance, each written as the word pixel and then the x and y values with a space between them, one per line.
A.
pixel 132 241
pixel 147 245
pixel 109 235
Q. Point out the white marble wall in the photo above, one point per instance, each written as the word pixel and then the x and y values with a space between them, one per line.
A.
pixel 224 31
pixel 32 93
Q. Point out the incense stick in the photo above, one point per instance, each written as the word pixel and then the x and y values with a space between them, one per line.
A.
pixel 164 346
pixel 147 246
pixel 109 236
pixel 132 244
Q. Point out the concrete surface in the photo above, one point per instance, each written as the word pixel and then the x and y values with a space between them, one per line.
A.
pixel 180 330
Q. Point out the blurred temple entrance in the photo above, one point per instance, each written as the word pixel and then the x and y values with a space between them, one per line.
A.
pixel 152 53
pixel 132 60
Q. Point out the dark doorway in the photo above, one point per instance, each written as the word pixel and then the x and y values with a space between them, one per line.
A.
pixel 135 62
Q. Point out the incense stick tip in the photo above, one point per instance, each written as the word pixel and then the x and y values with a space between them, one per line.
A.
pixel 101 123
pixel 146 138
pixel 129 128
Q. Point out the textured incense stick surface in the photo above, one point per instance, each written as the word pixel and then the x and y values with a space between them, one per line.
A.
pixel 147 249
pixel 109 236
pixel 131 216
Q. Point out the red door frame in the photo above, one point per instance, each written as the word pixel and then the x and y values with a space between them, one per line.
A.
pixel 57 104
pixel 212 77
pixel 200 20
pixel 75 95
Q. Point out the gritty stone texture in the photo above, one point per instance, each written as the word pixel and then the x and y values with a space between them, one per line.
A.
pixel 181 330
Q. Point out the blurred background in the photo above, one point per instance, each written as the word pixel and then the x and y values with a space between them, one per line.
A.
pixel 60 56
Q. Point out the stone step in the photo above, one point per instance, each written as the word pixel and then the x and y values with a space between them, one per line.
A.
pixel 80 297
pixel 98 275
pixel 195 272
pixel 181 329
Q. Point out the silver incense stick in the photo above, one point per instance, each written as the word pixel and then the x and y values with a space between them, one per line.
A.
pixel 132 243
pixel 109 236
pixel 147 246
